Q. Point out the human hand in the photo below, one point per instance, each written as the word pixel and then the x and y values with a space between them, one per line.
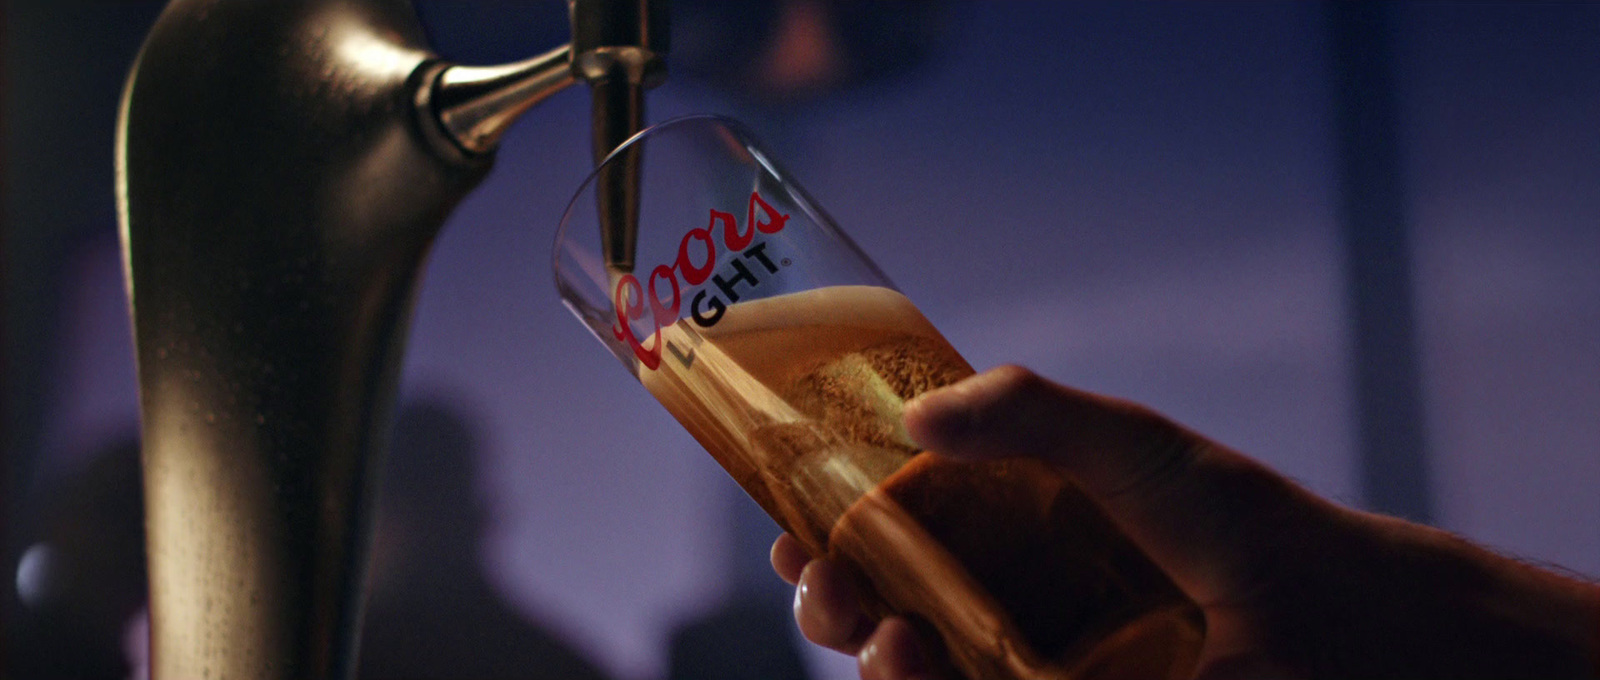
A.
pixel 1291 585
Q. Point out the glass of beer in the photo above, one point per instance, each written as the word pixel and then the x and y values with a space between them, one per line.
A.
pixel 767 333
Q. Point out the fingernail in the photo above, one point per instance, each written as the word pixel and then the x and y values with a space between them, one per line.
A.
pixel 825 607
pixel 894 651
pixel 867 661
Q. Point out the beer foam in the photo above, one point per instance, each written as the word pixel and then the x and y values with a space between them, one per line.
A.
pixel 845 356
pixel 860 395
pixel 779 379
pixel 849 306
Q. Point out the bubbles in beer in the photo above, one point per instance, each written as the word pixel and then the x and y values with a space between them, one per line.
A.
pixel 800 397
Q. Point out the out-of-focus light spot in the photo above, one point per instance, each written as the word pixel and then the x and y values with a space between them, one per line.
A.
pixel 33 574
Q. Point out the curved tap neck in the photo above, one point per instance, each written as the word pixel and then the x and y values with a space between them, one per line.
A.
pixel 475 105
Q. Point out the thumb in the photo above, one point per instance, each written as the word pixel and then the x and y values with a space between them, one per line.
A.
pixel 1200 511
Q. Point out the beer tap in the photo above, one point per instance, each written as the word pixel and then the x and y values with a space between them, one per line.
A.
pixel 618 48
pixel 282 169
pixel 619 53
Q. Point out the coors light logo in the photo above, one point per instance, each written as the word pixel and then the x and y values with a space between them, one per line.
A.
pixel 698 245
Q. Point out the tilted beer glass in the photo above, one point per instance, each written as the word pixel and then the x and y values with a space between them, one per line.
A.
pixel 788 355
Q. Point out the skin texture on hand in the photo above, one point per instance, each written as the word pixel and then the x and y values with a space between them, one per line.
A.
pixel 1292 586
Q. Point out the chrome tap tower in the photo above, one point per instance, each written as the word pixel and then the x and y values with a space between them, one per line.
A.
pixel 282 168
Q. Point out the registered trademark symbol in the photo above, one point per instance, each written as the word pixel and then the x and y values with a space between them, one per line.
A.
pixel 785 262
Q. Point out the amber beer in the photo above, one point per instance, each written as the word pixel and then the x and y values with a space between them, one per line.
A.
pixel 799 397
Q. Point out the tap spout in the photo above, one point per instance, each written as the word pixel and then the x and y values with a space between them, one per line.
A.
pixel 618 114
pixel 619 48
pixel 476 104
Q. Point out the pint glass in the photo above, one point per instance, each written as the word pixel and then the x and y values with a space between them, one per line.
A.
pixel 788 355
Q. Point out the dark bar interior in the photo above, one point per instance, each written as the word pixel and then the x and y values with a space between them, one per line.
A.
pixel 1360 242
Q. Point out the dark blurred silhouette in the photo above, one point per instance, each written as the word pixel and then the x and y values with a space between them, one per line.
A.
pixel 744 639
pixel 81 578
pixel 1376 231
pixel 431 613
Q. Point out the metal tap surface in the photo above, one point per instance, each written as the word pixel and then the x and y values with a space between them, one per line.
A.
pixel 282 169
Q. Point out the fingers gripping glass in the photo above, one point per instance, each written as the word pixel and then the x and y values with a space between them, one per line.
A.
pixel 786 353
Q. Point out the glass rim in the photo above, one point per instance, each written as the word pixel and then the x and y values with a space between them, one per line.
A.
pixel 742 133
pixel 570 276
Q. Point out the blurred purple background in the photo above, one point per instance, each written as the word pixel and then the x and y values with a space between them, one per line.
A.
pixel 1135 198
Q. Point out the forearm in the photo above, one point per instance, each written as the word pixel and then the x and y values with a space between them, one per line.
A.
pixel 1470 612
pixel 1561 608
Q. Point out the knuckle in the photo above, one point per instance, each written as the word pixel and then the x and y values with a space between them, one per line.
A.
pixel 1167 455
pixel 1016 389
pixel 1014 379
